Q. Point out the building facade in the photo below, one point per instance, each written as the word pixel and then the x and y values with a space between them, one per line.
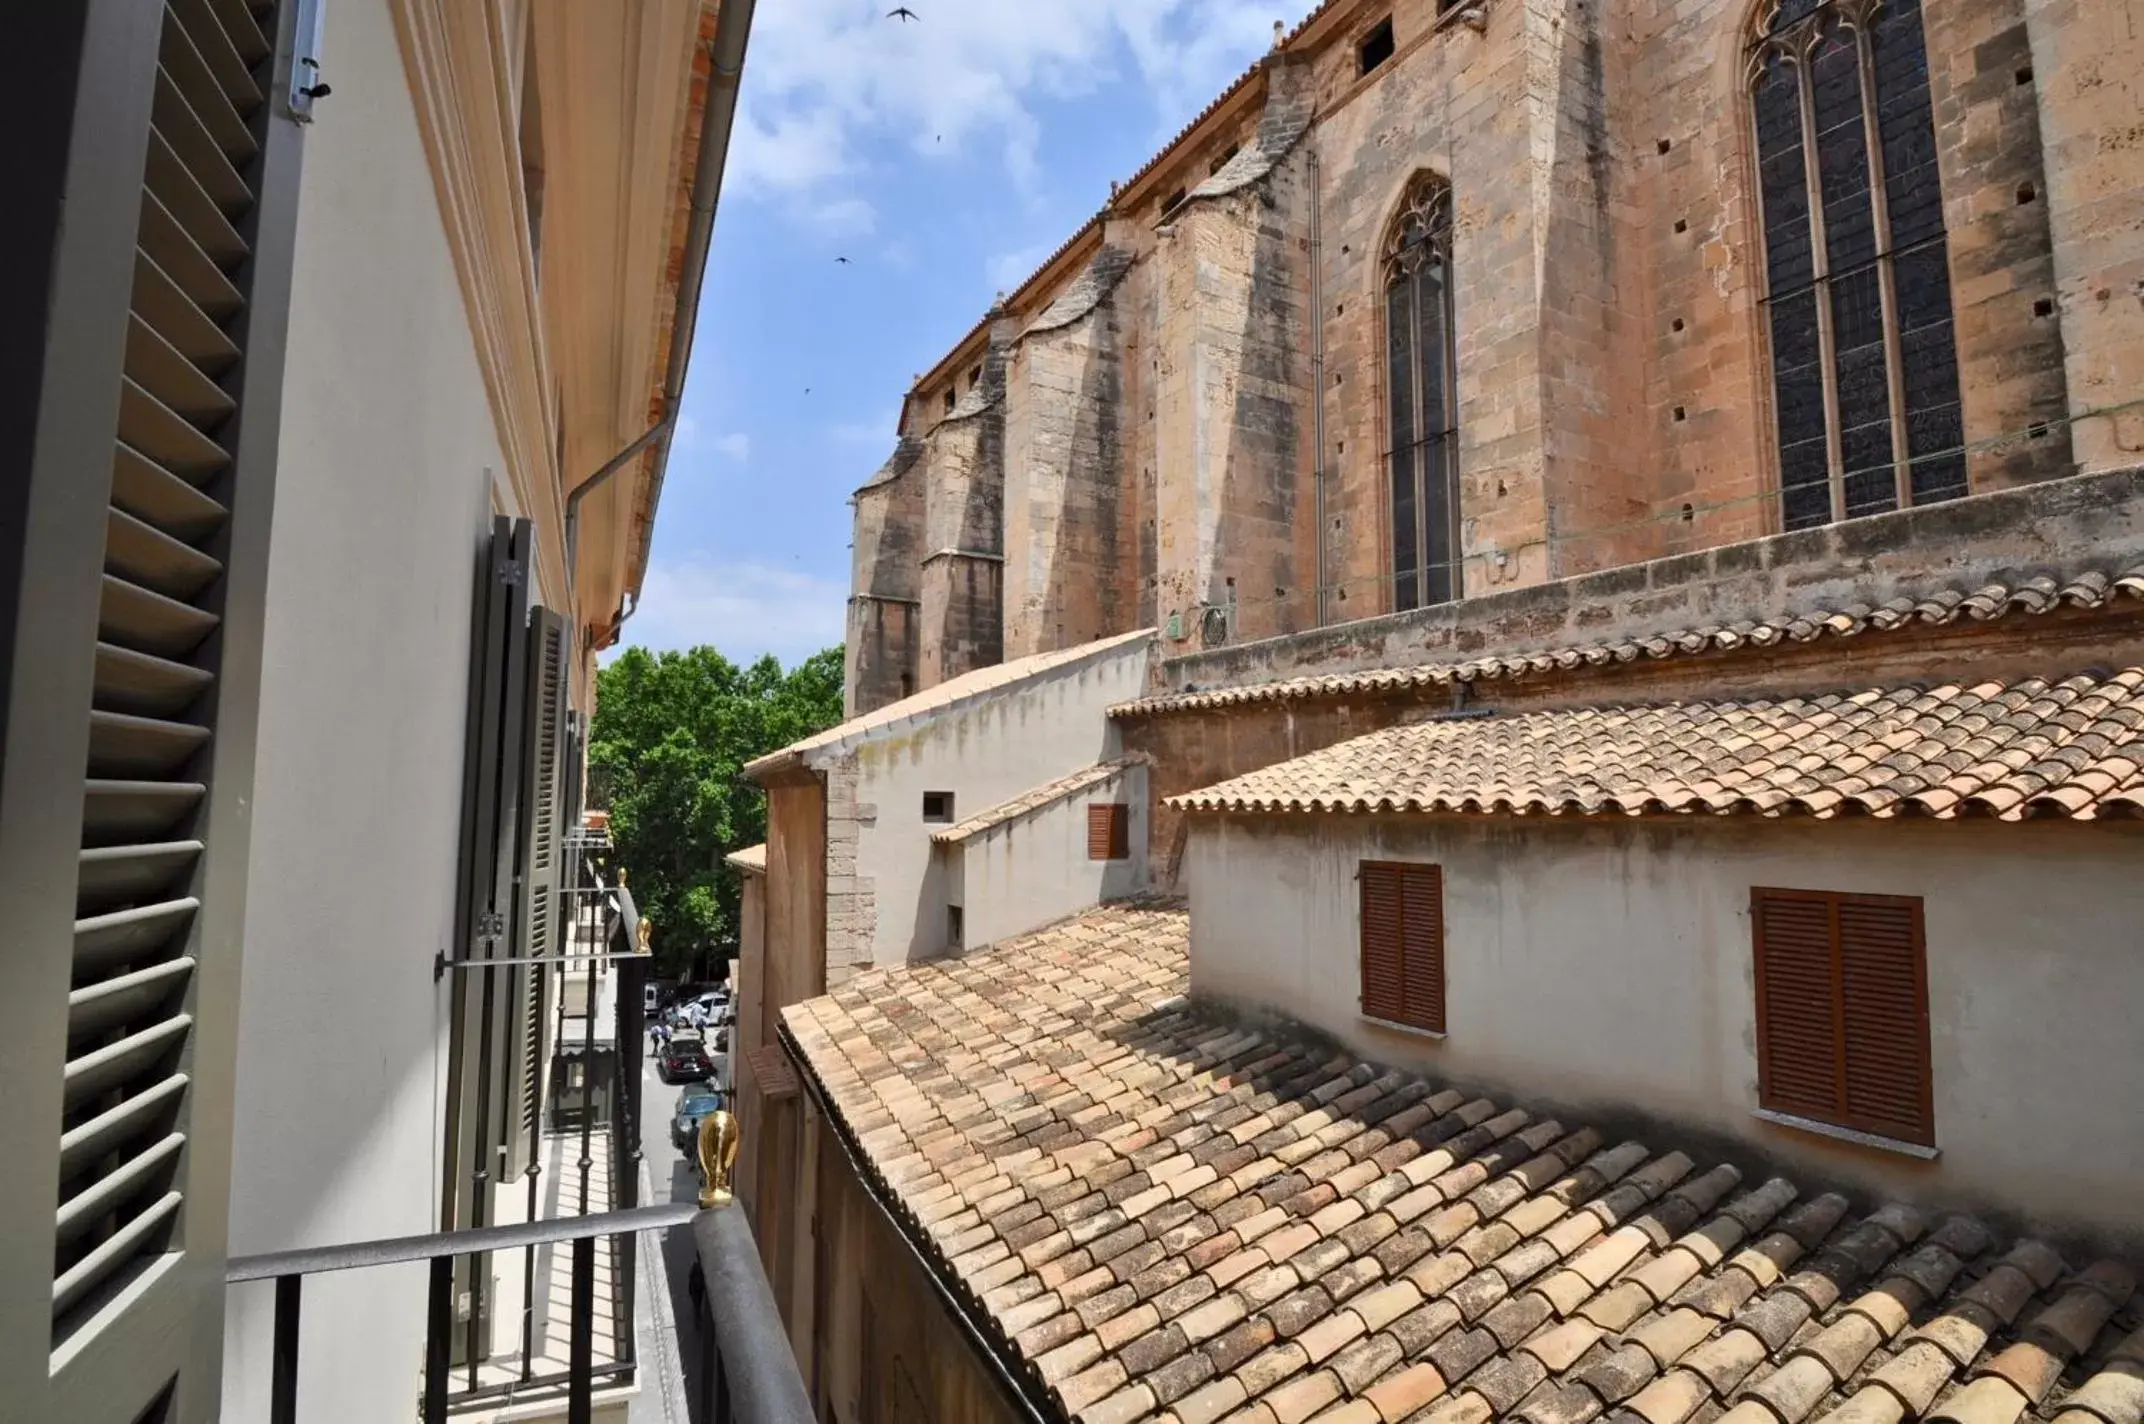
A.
pixel 1447 297
pixel 327 315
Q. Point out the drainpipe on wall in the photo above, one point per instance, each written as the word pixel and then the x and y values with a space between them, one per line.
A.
pixel 725 68
pixel 1317 380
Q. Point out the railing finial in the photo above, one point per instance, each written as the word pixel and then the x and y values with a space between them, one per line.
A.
pixel 719 1140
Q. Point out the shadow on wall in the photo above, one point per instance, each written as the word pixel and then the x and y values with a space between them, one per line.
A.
pixel 1255 534
pixel 1087 543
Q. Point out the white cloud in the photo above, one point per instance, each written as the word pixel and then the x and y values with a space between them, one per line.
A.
pixel 737 445
pixel 844 217
pixel 742 609
pixel 827 78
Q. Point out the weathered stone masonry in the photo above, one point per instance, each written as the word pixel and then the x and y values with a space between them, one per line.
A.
pixel 885 583
pixel 1134 432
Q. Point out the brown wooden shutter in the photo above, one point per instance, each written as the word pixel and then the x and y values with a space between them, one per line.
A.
pixel 1798 1066
pixel 1383 918
pixel 1842 1010
pixel 1108 832
pixel 1403 943
pixel 1422 966
pixel 1884 996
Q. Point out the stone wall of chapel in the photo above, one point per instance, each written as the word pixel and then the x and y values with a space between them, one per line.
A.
pixel 1612 353
pixel 885 583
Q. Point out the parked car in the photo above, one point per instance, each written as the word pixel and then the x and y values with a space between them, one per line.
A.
pixel 684 1060
pixel 651 1000
pixel 693 1105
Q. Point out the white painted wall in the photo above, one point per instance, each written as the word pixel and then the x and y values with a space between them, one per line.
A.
pixel 383 496
pixel 986 751
pixel 1609 964
pixel 1033 870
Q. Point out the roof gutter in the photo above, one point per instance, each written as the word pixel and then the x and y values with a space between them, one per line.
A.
pixel 733 26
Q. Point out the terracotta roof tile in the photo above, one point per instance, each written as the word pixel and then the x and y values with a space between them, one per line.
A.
pixel 2072 748
pixel 2093 590
pixel 1565 1279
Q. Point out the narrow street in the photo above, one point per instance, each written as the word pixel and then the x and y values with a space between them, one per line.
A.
pixel 668 1337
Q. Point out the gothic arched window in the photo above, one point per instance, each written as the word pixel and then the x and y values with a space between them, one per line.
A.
pixel 1422 396
pixel 1864 358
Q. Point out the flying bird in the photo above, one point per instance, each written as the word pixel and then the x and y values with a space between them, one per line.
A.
pixel 842 260
pixel 903 14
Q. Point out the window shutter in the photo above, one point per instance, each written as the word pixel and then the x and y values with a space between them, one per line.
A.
pixel 1798 1065
pixel 1403 943
pixel 540 808
pixel 1384 990
pixel 1842 1011
pixel 156 775
pixel 1108 832
pixel 151 243
pixel 483 1092
pixel 1422 955
pixel 1885 1030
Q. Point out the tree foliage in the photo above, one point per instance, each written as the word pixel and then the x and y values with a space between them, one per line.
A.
pixel 670 732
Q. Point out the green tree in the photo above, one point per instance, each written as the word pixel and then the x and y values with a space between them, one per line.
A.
pixel 671 731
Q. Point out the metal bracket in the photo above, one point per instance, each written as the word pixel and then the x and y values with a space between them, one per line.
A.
pixel 306 85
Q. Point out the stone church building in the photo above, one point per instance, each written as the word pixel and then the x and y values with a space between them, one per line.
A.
pixel 1449 296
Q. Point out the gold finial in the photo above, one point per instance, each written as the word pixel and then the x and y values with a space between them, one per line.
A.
pixel 647 935
pixel 621 877
pixel 719 1140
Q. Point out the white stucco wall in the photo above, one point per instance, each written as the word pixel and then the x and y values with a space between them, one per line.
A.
pixel 985 751
pixel 383 496
pixel 1033 870
pixel 1608 964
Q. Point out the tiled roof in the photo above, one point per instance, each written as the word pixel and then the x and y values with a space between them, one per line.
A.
pixel 2094 589
pixel 1045 795
pixel 771 1071
pixel 2027 748
pixel 1158 1215
pixel 933 700
pixel 750 858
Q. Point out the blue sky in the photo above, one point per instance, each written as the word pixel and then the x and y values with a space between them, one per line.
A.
pixel 945 159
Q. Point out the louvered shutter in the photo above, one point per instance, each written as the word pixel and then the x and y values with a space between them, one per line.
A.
pixel 483 1089
pixel 1422 947
pixel 1842 1019
pixel 158 400
pixel 1108 832
pixel 1884 1003
pixel 1384 994
pixel 1797 1016
pixel 538 874
pixel 1403 943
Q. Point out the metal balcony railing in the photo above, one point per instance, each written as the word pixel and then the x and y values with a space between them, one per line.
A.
pixel 748 1375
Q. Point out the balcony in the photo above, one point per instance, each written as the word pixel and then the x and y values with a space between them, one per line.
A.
pixel 542 1319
